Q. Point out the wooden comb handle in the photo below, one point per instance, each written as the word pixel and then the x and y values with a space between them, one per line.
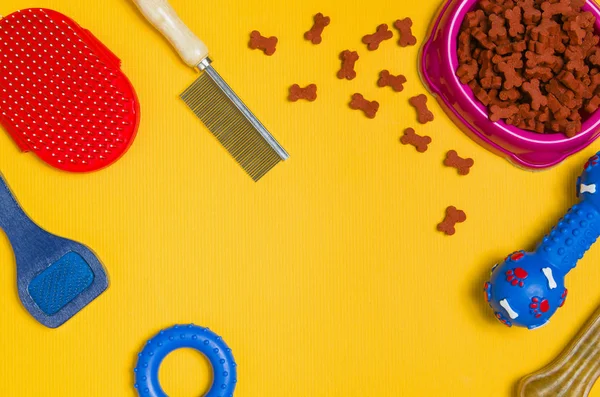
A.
pixel 573 372
pixel 164 18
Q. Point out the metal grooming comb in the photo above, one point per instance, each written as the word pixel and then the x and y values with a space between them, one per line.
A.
pixel 212 100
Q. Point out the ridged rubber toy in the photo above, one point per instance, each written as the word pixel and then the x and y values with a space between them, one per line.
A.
pixel 186 336
pixel 528 287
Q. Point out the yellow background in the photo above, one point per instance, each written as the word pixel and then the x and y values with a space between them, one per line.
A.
pixel 327 278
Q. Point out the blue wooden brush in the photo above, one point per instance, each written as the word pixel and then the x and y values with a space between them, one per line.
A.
pixel 56 277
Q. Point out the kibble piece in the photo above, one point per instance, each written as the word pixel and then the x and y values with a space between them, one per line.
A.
pixel 373 40
pixel 349 59
pixel 421 143
pixel 315 33
pixel 404 27
pixel 453 216
pixel 369 108
pixel 266 44
pixel 419 102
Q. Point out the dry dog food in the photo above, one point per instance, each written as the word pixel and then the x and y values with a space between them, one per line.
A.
pixel 349 59
pixel 421 143
pixel 463 166
pixel 309 92
pixel 373 40
pixel 453 216
pixel 314 34
pixel 369 108
pixel 266 44
pixel 534 63
pixel 389 80
pixel 419 102
pixel 404 27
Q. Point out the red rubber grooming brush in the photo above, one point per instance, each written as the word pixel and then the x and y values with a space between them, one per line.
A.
pixel 62 93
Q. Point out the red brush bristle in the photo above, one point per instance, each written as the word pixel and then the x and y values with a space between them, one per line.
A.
pixel 62 93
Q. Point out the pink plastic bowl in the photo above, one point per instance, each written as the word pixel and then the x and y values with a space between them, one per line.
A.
pixel 438 65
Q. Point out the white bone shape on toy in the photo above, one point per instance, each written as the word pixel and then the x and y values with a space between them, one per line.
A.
pixel 587 188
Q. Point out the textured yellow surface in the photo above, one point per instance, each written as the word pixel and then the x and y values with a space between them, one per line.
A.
pixel 327 278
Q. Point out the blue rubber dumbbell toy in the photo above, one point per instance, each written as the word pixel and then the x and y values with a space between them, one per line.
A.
pixel 528 287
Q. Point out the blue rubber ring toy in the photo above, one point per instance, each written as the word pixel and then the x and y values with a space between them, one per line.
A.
pixel 186 336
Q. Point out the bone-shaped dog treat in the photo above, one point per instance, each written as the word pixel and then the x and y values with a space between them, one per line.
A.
pixel 373 40
pixel 563 7
pixel 464 46
pixel 475 18
pixel 266 44
pixel 492 82
pixel 389 80
pixel 559 111
pixel 463 166
pixel 487 67
pixel 490 7
pixel 594 57
pixel 547 27
pixel 574 27
pixel 349 59
pixel 510 95
pixel 573 372
pixel 569 128
pixel 512 78
pixel 314 34
pixel 564 95
pixel 309 93
pixel 497 112
pixel 369 108
pixel 528 287
pixel 575 58
pixel 504 49
pixel 531 14
pixel 483 38
pixel 541 73
pixel 587 19
pixel 515 60
pixel 419 102
pixel 453 216
pixel 593 104
pixel 468 71
pixel 480 93
pixel 532 88
pixel 545 57
pixel 404 27
pixel 514 17
pixel 569 81
pixel 590 41
pixel 594 82
pixel 421 143
pixel 497 30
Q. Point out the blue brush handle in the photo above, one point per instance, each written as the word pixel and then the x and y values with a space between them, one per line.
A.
pixel 13 219
pixel 528 287
pixel 19 228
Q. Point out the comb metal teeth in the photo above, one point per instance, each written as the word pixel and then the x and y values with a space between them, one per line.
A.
pixel 232 123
